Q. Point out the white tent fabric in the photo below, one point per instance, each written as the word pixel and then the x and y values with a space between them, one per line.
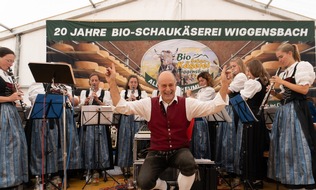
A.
pixel 17 12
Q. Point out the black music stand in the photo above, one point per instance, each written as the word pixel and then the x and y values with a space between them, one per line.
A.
pixel 55 73
pixel 216 118
pixel 48 106
pixel 98 115
pixel 247 117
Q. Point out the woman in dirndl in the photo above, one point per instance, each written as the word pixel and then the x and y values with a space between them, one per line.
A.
pixel 95 139
pixel 226 139
pixel 13 149
pixel 200 142
pixel 129 126
pixel 292 153
pixel 254 135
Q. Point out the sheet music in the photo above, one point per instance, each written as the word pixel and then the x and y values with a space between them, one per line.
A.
pixel 90 115
pixel 220 116
pixel 138 118
pixel 144 129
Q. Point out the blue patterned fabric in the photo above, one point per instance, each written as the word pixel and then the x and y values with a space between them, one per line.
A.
pixel 95 147
pixel 290 160
pixel 126 132
pixel 13 149
pixel 200 142
pixel 226 143
pixel 44 136
pixel 72 143
pixel 51 136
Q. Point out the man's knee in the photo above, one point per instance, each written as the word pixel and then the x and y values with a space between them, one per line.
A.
pixel 188 169
pixel 145 183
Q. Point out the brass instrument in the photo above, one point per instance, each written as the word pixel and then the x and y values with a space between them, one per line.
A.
pixel 23 105
pixel 265 99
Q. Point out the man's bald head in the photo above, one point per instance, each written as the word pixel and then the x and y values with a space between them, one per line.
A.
pixel 167 75
pixel 167 86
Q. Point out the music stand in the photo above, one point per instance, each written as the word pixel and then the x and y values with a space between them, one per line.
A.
pixel 47 106
pixel 216 118
pixel 247 117
pixel 55 73
pixel 97 115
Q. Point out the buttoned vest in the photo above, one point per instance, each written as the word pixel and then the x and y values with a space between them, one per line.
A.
pixel 168 127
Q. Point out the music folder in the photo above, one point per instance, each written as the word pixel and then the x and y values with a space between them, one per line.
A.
pixel 269 113
pixel 242 108
pixel 47 106
pixel 221 116
pixel 96 115
pixel 52 72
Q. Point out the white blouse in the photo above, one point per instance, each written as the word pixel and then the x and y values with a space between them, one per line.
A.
pixel 304 74
pixel 106 98
pixel 206 93
pixel 252 86
pixel 238 82
pixel 129 93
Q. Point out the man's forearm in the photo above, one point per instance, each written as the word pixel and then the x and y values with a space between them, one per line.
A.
pixel 223 91
pixel 115 94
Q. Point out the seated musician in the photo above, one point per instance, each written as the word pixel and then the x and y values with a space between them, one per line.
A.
pixel 168 117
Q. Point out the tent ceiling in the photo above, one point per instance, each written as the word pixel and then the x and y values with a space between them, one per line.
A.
pixel 302 7
pixel 18 13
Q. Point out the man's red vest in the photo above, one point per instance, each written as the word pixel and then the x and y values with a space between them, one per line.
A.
pixel 168 128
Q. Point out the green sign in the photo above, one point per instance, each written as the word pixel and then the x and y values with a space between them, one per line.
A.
pixel 196 30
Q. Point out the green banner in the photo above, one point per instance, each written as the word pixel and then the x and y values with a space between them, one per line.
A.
pixel 196 30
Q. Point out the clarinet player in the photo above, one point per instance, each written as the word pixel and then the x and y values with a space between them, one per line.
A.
pixel 292 153
pixel 89 134
pixel 13 149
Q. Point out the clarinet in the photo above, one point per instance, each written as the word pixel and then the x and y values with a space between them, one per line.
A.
pixel 265 99
pixel 23 105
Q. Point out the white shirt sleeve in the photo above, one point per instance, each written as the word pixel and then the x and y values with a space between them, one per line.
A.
pixel 251 88
pixel 144 94
pixel 238 82
pixel 107 98
pixel 140 107
pixel 205 94
pixel 34 90
pixel 304 73
pixel 82 97
pixel 178 91
pixel 154 93
pixel 197 108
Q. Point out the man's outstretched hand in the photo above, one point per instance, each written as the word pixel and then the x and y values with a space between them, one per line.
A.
pixel 110 74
